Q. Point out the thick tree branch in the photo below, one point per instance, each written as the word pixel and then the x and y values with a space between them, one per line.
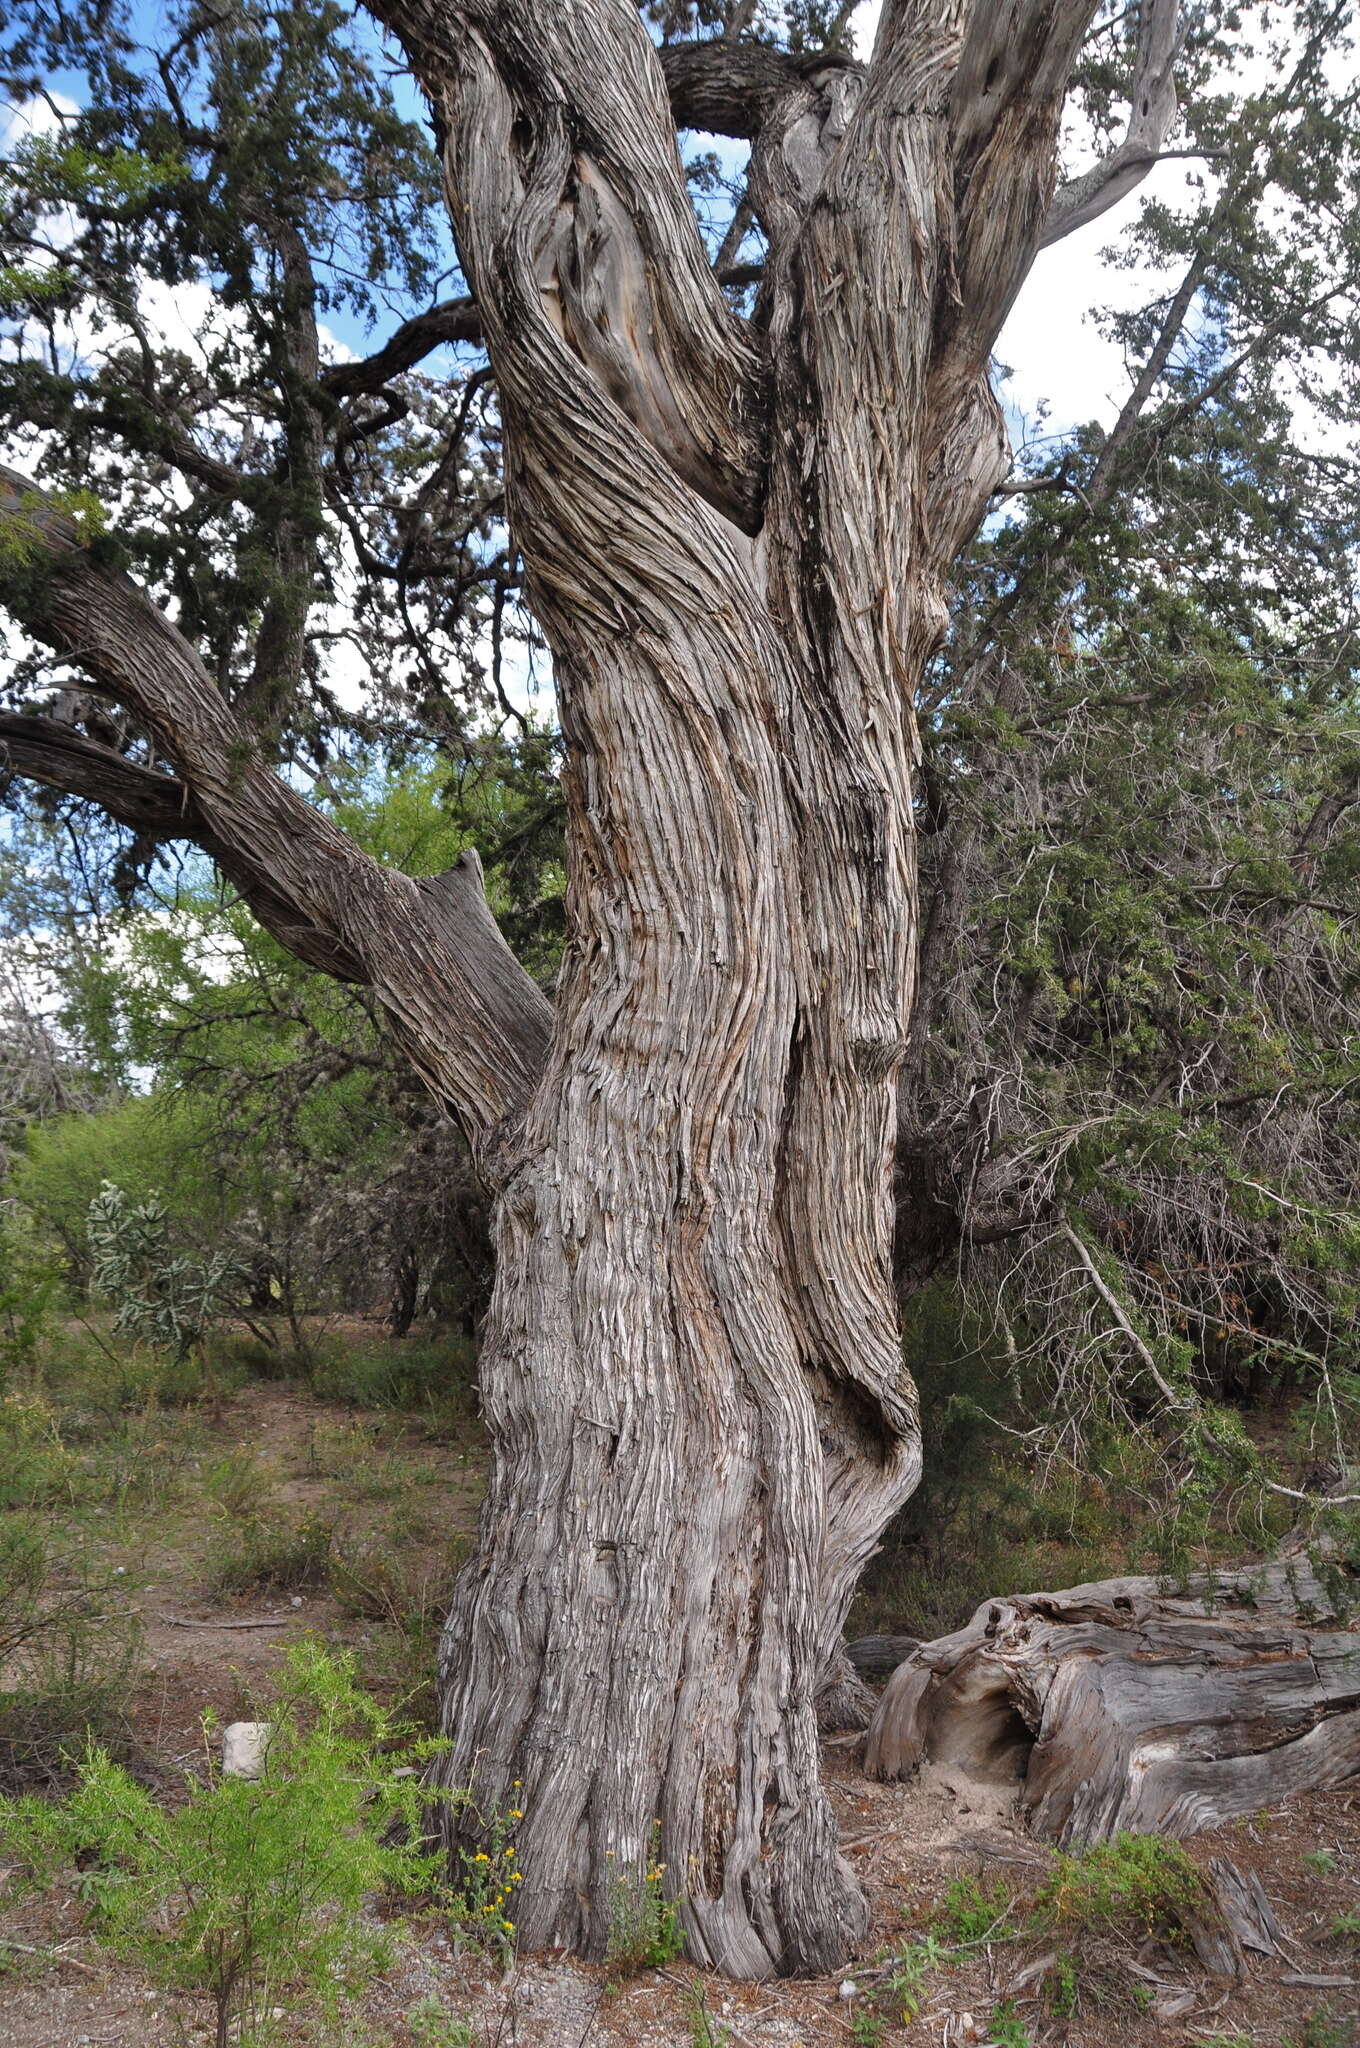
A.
pixel 474 1024
pixel 451 320
pixel 1006 111
pixel 1152 114
pixel 577 168
pixel 730 88
pixel 48 751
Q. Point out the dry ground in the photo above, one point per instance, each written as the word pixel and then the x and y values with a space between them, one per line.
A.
pixel 388 1485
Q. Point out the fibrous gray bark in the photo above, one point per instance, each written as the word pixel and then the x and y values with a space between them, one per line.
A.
pixel 737 543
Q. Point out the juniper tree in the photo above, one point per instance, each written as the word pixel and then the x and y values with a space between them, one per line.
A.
pixel 738 477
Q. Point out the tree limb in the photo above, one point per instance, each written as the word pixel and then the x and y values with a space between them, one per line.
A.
pixel 1152 114
pixel 451 320
pixel 1111 1301
pixel 730 88
pixel 576 172
pixel 49 751
pixel 474 1024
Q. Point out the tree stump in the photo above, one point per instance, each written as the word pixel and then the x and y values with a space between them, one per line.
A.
pixel 1130 1704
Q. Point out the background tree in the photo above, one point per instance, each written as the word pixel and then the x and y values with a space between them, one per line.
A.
pixel 737 530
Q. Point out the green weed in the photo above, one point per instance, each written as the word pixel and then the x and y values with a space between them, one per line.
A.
pixel 70 1654
pixel 1006 2028
pixel 275 1554
pixel 867 2027
pixel 704 2030
pixel 1063 1989
pixel 1322 2029
pixel 644 1924
pixel 904 1990
pixel 238 1485
pixel 245 1885
pixel 433 2027
pixel 434 1380
pixel 968 1913
pixel 1138 1882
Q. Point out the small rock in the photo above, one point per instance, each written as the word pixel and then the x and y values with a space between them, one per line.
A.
pixel 849 1989
pixel 296 1601
pixel 243 1749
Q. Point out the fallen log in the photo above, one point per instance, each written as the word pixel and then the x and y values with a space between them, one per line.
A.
pixel 1129 1703
pixel 876 1656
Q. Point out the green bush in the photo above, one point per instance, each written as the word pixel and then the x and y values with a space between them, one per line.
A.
pixel 969 1913
pixel 244 1889
pixel 644 1922
pixel 271 1553
pixel 983 1520
pixel 70 1656
pixel 147 1143
pixel 1143 1884
pixel 35 1465
pixel 238 1485
pixel 28 1286
pixel 436 1380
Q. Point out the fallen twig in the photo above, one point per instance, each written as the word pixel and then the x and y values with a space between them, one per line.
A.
pixel 178 1621
pixel 49 1955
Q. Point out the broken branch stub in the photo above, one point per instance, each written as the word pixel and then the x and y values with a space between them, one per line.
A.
pixel 1123 1705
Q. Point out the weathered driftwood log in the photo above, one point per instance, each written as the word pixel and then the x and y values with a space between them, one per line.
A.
pixel 1124 1705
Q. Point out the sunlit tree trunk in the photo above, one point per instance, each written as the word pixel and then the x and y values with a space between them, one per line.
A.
pixel 699 1415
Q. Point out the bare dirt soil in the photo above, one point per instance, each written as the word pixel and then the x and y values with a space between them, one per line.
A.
pixel 907 1842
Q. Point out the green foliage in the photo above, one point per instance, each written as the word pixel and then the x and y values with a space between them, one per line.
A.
pixel 35 1465
pixel 968 1912
pixel 245 1887
pixel 868 2027
pixel 161 1296
pixel 1142 1884
pixel 238 1485
pixel 644 1923
pixel 1322 2029
pixel 904 1989
pixel 272 1552
pixel 28 1286
pixel 434 2027
pixel 1063 1988
pixel 704 2030
pixel 1320 1861
pixel 70 1657
pixel 434 1378
pixel 1007 2029
pixel 482 1906
pixel 148 1145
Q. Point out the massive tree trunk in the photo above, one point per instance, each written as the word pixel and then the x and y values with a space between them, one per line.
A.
pixel 736 537
pixel 699 1414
